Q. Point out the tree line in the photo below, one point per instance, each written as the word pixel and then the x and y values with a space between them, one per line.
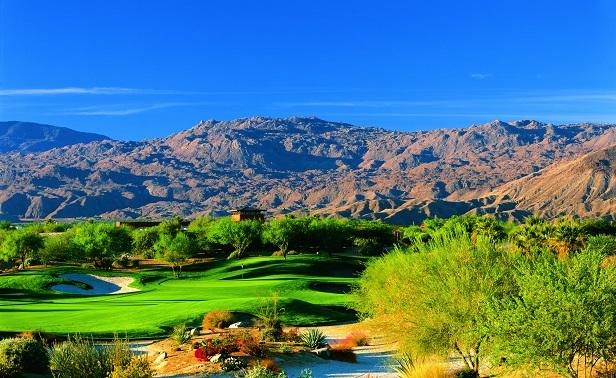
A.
pixel 103 244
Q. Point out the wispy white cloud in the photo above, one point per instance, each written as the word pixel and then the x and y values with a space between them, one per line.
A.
pixel 84 91
pixel 118 110
pixel 481 76
pixel 367 104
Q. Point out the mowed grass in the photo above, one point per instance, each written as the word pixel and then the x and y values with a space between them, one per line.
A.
pixel 312 290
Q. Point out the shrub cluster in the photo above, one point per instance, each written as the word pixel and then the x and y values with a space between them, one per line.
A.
pixel 482 298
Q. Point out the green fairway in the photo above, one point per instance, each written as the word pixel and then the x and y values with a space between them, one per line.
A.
pixel 311 290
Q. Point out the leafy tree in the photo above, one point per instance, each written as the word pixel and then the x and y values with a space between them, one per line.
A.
pixel 435 300
pixel 57 248
pixel 175 250
pixel 200 228
pixel 6 225
pixel 240 235
pixel 21 244
pixel 564 316
pixel 281 232
pixel 332 234
pixel 170 226
pixel 144 241
pixel 102 243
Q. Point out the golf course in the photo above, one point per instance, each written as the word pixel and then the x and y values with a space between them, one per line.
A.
pixel 312 290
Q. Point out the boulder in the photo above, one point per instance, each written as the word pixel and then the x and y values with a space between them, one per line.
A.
pixel 160 358
pixel 321 352
pixel 216 358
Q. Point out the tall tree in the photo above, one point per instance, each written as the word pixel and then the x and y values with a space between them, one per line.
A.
pixel 102 243
pixel 240 235
pixel 281 232
pixel 22 243
pixel 175 250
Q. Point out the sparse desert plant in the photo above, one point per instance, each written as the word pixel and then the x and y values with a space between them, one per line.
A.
pixel 406 367
pixel 356 338
pixel 137 367
pixel 265 369
pixel 232 364
pixel 305 373
pixel 217 319
pixel 269 313
pixel 22 355
pixel 342 352
pixel 313 338
pixel 180 334
pixel 78 358
pixel 249 344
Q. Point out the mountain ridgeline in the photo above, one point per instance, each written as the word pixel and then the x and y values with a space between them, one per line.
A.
pixel 308 164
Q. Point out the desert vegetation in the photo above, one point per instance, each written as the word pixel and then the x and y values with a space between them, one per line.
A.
pixel 538 295
pixel 500 296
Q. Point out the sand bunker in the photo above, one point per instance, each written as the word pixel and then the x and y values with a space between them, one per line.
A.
pixel 100 285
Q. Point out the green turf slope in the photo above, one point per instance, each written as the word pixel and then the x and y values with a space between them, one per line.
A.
pixel 311 290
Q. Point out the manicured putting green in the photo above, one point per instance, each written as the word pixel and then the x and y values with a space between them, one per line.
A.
pixel 312 290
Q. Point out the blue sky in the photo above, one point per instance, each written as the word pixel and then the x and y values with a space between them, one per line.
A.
pixel 142 69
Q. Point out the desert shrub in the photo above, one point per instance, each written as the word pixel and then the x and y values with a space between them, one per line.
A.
pixel 118 353
pixel 217 319
pixel 313 338
pixel 435 299
pixel 305 373
pixel 249 344
pixel 563 317
pixel 269 313
pixel 265 369
pixel 466 373
pixel 292 335
pixel 342 352
pixel 137 367
pixel 22 355
pixel 180 334
pixel 57 248
pixel 224 344
pixel 232 364
pixel 357 338
pixel 78 358
pixel 406 367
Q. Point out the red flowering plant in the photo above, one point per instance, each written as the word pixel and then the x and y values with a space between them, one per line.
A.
pixel 223 344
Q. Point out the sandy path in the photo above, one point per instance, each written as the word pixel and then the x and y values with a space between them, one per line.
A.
pixel 100 285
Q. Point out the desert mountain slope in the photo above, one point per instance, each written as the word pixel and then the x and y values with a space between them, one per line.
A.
pixel 584 186
pixel 34 137
pixel 287 165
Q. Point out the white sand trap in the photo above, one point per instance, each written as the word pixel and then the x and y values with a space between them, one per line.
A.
pixel 100 285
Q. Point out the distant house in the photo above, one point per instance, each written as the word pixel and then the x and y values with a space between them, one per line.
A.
pixel 246 213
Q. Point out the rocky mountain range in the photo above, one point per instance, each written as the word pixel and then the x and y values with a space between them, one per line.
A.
pixel 34 137
pixel 310 165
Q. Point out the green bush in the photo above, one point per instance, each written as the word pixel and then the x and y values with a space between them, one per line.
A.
pixel 260 371
pixel 434 299
pixel 78 358
pixel 180 334
pixel 22 355
pixel 269 314
pixel 137 367
pixel 563 317
pixel 313 338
